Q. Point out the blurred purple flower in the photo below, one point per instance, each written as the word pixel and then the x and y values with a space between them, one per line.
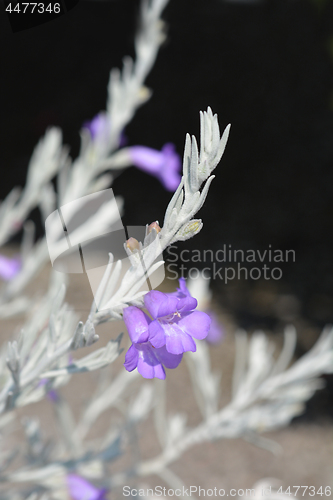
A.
pixel 100 127
pixel 9 267
pixel 52 394
pixel 216 332
pixel 81 489
pixel 164 164
pixel 163 339
pixel 123 140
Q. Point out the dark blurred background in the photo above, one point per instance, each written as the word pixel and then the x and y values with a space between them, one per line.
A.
pixel 266 67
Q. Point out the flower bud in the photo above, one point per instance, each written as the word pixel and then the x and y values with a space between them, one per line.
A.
pixel 154 225
pixel 132 244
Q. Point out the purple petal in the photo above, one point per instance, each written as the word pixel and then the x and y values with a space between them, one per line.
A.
pixel 131 359
pixel 187 304
pixel 123 139
pixel 160 304
pixel 81 489
pixel 182 293
pixel 196 324
pixel 53 396
pixel 136 322
pixel 170 180
pixel 43 381
pixel 9 268
pixel 177 341
pixel 148 364
pixel 147 159
pixel 156 334
pixel 99 127
pixel 164 164
pixel 170 173
pixel 183 288
pixel 167 359
pixel 171 158
pixel 216 332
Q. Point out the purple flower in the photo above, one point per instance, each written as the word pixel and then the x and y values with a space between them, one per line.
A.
pixel 9 267
pixel 216 332
pixel 99 127
pixel 174 320
pixel 164 164
pixel 81 489
pixel 163 339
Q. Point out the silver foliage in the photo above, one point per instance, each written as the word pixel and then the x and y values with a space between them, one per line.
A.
pixel 267 392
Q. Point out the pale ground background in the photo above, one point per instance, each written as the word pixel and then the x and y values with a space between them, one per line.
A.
pixel 307 444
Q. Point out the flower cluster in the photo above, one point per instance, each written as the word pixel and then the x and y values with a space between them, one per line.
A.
pixel 161 340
